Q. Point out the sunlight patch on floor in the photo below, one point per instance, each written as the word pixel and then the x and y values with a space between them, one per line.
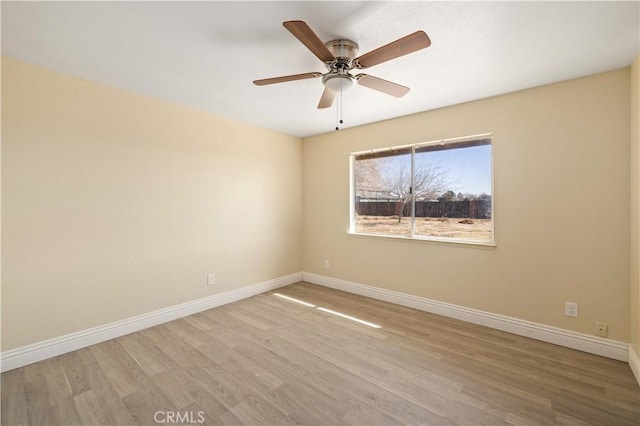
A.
pixel 370 324
pixel 282 296
pixel 329 311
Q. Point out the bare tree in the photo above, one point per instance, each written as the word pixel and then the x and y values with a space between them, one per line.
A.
pixel 368 176
pixel 430 180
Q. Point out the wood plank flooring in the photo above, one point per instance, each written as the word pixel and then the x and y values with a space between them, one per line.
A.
pixel 271 361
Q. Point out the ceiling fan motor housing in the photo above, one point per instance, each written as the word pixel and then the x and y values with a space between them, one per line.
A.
pixel 344 50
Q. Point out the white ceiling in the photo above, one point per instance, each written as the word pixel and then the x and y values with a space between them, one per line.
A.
pixel 206 54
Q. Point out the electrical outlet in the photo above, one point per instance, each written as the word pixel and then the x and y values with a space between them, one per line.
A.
pixel 327 264
pixel 211 279
pixel 602 329
pixel 571 309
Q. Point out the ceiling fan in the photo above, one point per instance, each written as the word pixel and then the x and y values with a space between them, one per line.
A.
pixel 339 56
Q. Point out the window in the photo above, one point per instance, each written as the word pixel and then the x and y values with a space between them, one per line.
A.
pixel 437 190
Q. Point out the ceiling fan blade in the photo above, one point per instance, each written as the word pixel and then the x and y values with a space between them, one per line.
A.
pixel 403 46
pixel 326 100
pixel 285 78
pixel 305 34
pixel 381 85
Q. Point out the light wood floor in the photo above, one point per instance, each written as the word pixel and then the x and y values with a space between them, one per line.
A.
pixel 268 360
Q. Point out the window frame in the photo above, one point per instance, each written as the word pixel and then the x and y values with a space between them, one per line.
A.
pixel 411 149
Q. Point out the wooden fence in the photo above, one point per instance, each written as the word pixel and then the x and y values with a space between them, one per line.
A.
pixel 476 209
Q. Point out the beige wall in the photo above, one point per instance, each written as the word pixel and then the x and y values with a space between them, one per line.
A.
pixel 116 204
pixel 561 190
pixel 635 206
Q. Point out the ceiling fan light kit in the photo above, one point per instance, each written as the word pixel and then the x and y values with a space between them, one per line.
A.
pixel 338 82
pixel 339 56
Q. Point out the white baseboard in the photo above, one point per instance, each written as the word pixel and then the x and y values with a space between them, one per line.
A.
pixel 634 363
pixel 60 345
pixel 558 336
pixel 39 351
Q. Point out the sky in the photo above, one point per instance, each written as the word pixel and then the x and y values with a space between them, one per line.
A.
pixel 470 168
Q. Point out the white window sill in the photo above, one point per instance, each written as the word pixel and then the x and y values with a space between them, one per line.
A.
pixel 432 240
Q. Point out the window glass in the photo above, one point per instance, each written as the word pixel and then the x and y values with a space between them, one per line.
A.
pixel 435 191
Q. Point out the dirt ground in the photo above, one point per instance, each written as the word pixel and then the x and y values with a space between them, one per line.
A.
pixel 440 227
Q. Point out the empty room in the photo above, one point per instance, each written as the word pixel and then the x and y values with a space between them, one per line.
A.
pixel 320 213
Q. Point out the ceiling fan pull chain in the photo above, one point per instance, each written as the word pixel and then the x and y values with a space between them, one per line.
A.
pixel 337 113
pixel 339 109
